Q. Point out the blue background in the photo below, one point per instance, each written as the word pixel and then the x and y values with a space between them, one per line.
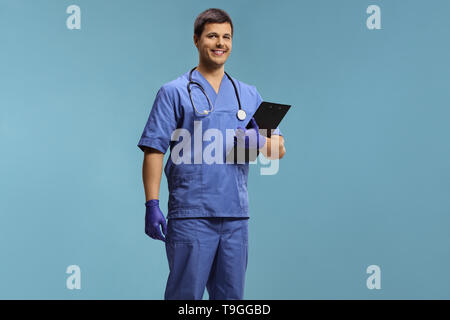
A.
pixel 365 180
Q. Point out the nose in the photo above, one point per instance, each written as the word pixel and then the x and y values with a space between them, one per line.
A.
pixel 219 42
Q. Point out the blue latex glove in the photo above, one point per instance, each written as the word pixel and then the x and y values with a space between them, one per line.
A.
pixel 153 219
pixel 249 138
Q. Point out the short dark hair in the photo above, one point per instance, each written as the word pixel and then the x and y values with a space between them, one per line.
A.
pixel 212 15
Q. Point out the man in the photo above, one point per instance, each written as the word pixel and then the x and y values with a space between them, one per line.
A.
pixel 206 236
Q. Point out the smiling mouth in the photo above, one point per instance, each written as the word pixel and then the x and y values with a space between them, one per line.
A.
pixel 218 52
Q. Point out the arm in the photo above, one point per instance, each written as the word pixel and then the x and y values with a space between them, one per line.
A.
pixel 151 175
pixel 151 172
pixel 274 147
pixel 155 140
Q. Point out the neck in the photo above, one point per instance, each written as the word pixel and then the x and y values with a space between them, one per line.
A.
pixel 214 72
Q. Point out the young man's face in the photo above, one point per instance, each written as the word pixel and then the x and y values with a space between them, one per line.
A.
pixel 214 45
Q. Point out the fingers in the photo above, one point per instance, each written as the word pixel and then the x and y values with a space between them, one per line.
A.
pixel 149 232
pixel 159 236
pixel 253 124
pixel 154 232
pixel 157 233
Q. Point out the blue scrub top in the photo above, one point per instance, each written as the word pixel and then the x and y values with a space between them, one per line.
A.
pixel 201 190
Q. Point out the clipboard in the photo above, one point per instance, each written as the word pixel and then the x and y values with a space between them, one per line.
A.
pixel 268 116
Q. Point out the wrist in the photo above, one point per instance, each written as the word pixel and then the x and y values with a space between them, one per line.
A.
pixel 152 203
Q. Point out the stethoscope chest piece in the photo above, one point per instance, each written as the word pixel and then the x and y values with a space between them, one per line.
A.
pixel 241 115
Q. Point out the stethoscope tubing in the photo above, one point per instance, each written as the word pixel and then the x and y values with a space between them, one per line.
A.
pixel 211 107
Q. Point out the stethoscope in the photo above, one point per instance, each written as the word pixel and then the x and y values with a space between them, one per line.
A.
pixel 241 115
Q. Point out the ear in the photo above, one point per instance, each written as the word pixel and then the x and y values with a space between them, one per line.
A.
pixel 196 40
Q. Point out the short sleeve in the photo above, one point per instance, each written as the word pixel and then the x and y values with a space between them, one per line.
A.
pixel 259 99
pixel 160 124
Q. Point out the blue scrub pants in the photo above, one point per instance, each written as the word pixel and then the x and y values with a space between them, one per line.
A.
pixel 206 252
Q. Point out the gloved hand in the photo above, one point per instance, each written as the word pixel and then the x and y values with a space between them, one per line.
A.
pixel 153 219
pixel 249 138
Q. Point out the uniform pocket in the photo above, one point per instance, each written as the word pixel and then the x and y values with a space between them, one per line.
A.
pixel 241 180
pixel 185 191
pixel 182 230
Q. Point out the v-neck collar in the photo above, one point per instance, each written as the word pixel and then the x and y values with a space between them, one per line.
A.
pixel 211 88
pixel 219 100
